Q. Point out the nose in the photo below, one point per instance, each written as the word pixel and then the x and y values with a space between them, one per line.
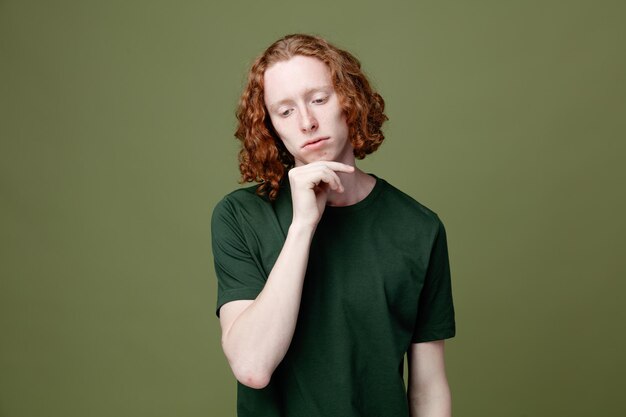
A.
pixel 308 122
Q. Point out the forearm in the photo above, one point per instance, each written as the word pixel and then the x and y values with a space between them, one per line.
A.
pixel 431 400
pixel 428 392
pixel 258 339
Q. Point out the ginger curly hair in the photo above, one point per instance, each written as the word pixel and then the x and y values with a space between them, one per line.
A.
pixel 263 157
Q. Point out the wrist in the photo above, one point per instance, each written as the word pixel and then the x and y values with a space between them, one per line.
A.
pixel 301 228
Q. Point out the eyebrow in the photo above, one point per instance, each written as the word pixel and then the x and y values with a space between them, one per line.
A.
pixel 307 92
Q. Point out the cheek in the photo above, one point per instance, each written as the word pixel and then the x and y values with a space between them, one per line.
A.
pixel 342 121
pixel 340 115
pixel 282 130
pixel 279 127
pixel 344 118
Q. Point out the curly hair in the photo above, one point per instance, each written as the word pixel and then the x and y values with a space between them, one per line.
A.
pixel 263 158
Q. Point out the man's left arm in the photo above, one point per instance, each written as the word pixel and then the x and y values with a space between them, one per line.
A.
pixel 428 393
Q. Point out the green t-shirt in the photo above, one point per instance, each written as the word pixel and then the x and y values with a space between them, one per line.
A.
pixel 377 280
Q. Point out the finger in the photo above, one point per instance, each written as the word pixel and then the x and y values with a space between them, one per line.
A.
pixel 317 172
pixel 332 179
pixel 328 177
pixel 334 165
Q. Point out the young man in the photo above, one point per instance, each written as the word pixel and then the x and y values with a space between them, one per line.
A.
pixel 327 275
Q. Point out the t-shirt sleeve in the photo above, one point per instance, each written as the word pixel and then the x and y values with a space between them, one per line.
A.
pixel 239 275
pixel 435 317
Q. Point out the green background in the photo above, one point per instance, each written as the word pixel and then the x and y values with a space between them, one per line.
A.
pixel 116 123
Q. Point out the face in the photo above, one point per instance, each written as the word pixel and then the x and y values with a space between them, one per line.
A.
pixel 305 111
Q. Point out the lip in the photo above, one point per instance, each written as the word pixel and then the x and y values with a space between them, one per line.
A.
pixel 315 141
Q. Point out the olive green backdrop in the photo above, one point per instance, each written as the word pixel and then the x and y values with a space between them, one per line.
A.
pixel 116 119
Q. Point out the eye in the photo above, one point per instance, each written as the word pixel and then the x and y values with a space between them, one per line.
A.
pixel 285 113
pixel 320 100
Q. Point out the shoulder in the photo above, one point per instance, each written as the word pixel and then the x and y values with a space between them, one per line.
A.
pixel 239 199
pixel 243 195
pixel 408 207
pixel 245 208
pixel 232 204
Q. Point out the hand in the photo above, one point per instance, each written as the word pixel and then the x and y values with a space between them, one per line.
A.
pixel 310 185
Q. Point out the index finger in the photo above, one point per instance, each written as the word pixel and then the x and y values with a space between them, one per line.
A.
pixel 335 166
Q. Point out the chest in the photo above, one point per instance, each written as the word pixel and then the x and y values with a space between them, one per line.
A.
pixel 366 272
